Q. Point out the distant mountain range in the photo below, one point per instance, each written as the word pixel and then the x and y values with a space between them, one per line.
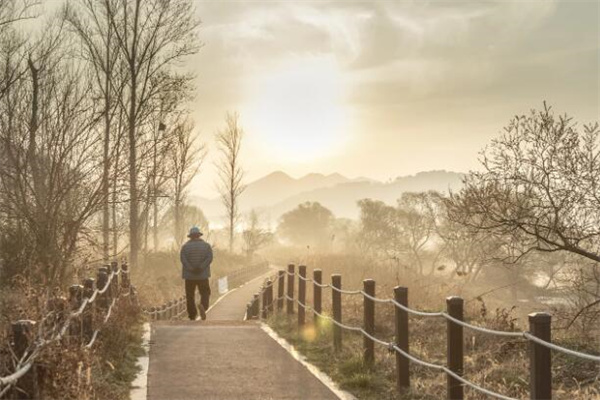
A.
pixel 277 193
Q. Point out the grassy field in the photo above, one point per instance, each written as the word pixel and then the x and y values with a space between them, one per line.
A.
pixel 498 364
pixel 160 278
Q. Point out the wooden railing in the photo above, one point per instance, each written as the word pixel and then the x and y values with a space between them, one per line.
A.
pixel 78 319
pixel 539 335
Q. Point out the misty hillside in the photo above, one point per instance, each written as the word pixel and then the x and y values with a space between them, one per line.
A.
pixel 278 193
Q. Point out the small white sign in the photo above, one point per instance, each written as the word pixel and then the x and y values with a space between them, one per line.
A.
pixel 223 285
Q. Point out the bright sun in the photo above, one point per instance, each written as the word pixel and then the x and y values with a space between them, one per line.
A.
pixel 297 111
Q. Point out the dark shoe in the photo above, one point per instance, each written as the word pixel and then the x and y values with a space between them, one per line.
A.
pixel 202 311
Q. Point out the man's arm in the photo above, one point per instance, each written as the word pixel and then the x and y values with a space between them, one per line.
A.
pixel 184 261
pixel 208 260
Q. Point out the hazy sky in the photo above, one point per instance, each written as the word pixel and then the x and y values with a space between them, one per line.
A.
pixel 383 89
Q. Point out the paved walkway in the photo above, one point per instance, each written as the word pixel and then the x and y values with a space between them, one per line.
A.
pixel 225 358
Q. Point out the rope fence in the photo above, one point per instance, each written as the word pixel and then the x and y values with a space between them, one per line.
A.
pixel 76 319
pixel 538 336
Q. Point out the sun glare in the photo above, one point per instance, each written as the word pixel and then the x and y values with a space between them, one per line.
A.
pixel 298 112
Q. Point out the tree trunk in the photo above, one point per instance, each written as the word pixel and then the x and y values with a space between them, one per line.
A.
pixel 155 226
pixel 231 227
pixel 133 189
pixel 105 174
pixel 177 212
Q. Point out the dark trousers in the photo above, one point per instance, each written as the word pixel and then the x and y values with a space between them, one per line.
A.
pixel 190 295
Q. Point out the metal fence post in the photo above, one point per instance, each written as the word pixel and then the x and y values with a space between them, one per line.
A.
pixel 336 300
pixel 369 321
pixel 280 289
pixel 290 289
pixel 317 278
pixel 455 348
pixel 540 365
pixel 301 294
pixel 402 363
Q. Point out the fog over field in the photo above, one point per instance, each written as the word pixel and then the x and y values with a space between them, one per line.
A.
pixel 423 176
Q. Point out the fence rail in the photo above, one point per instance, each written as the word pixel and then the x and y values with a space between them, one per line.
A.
pixel 538 336
pixel 76 319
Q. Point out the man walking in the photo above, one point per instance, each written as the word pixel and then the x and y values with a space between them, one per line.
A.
pixel 196 256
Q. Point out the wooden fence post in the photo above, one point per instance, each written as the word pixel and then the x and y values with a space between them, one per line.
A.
pixel 88 314
pixel 369 321
pixel 23 333
pixel 116 288
pixel 125 284
pixel 248 310
pixel 256 306
pixel 58 307
pixel 402 363
pixel 336 300
pixel 455 347
pixel 301 294
pixel 75 300
pixel 280 289
pixel 290 289
pixel 270 297
pixel 540 364
pixel 101 281
pixel 317 278
pixel 264 314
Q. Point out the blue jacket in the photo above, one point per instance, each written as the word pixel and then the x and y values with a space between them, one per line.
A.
pixel 196 256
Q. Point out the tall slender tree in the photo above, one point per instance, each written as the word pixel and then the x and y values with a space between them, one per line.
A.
pixel 90 21
pixel 185 158
pixel 151 36
pixel 231 174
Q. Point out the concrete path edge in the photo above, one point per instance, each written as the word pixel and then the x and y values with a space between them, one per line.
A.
pixel 316 372
pixel 139 387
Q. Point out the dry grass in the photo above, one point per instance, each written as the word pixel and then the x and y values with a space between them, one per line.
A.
pixel 498 364
pixel 65 370
pixel 159 280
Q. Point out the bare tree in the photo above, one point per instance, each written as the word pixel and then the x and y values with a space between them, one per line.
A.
pixel 416 224
pixel 255 237
pixel 50 174
pixel 231 174
pixel 185 158
pixel 539 188
pixel 152 36
pixel 12 43
pixel 90 22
